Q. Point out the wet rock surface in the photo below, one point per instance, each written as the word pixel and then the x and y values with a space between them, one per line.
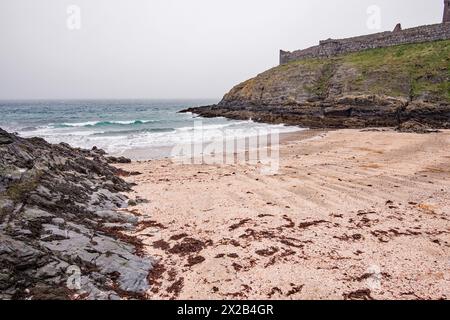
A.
pixel 61 234
pixel 346 112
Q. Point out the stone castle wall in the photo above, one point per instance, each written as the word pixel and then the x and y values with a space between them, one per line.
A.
pixel 332 47
pixel 446 18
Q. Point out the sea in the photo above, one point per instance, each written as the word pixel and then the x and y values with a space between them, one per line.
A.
pixel 138 129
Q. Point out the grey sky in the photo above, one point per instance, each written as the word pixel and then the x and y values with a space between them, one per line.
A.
pixel 171 48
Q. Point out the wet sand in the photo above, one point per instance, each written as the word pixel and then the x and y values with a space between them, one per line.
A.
pixel 349 215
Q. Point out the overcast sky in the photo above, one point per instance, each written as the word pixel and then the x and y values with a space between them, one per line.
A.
pixel 171 48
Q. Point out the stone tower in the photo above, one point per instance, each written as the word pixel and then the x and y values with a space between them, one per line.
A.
pixel 446 11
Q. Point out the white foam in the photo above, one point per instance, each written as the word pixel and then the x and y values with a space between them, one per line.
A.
pixel 79 124
pixel 94 123
pixel 120 144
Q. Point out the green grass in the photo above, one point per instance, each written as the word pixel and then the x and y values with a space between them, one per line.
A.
pixel 423 68
pixel 327 73
pixel 413 71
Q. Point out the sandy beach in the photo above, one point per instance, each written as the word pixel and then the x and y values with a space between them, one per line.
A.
pixel 351 214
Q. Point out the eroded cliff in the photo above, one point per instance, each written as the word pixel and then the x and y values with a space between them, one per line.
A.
pixel 379 87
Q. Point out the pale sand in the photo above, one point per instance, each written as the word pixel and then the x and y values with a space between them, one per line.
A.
pixel 343 205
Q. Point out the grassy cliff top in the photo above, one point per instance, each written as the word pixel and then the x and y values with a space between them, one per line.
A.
pixel 412 71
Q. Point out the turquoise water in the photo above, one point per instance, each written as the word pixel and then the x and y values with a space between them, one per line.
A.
pixel 119 127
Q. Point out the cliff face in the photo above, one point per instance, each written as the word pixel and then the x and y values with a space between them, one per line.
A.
pixel 379 87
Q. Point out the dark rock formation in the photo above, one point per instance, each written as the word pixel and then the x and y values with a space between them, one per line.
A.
pixel 113 160
pixel 375 88
pixel 414 127
pixel 60 232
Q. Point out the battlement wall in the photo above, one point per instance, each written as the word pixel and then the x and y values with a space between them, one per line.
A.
pixel 334 47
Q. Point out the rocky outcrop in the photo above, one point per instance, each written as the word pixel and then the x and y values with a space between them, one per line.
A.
pixel 379 87
pixel 61 235
pixel 414 127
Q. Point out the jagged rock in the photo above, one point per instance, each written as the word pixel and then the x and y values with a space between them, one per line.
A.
pixel 414 127
pixel 58 214
pixel 5 138
pixel 113 160
pixel 98 151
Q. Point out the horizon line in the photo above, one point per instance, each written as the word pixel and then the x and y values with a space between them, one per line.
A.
pixel 104 99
